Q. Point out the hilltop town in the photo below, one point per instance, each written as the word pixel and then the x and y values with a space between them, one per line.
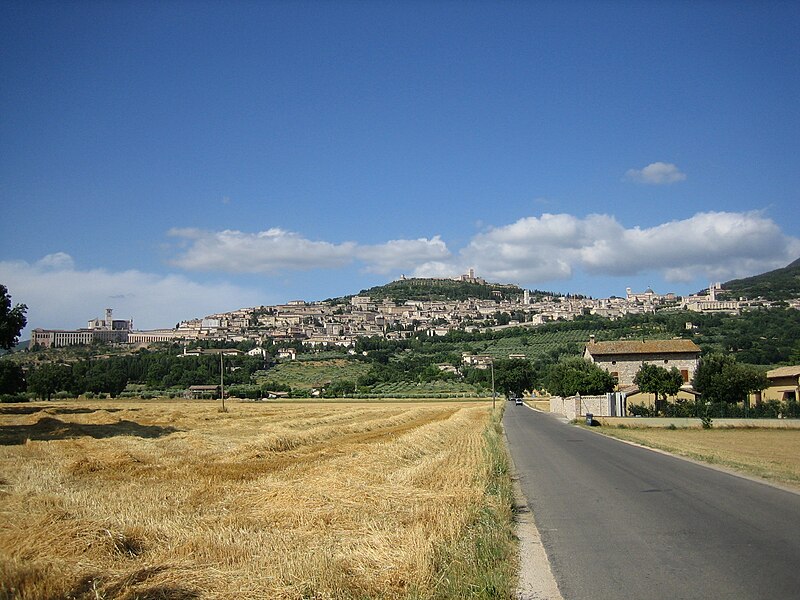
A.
pixel 384 313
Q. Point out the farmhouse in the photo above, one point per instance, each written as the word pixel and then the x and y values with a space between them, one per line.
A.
pixel 623 359
pixel 784 384
pixel 203 391
pixel 478 361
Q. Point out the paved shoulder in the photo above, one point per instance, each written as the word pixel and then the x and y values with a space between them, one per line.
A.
pixel 618 521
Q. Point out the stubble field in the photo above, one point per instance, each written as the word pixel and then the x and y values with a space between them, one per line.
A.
pixel 179 501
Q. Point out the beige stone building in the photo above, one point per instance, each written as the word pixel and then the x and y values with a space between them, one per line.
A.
pixel 107 330
pixel 784 384
pixel 623 359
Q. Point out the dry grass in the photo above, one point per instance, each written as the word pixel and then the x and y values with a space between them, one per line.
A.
pixel 179 501
pixel 773 454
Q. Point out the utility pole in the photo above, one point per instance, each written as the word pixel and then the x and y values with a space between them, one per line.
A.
pixel 222 379
pixel 493 393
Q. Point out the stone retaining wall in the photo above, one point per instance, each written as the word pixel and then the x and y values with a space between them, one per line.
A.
pixel 696 423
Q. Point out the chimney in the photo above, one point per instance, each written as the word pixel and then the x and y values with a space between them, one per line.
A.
pixel 591 339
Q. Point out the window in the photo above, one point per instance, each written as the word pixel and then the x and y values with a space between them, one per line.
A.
pixel 615 375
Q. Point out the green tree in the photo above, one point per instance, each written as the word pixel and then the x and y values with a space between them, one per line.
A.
pixel 514 376
pixel 719 378
pixel 49 379
pixel 12 378
pixel 12 320
pixel 108 377
pixel 577 376
pixel 340 387
pixel 653 379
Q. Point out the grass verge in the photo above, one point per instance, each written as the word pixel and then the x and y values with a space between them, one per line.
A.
pixel 770 454
pixel 480 563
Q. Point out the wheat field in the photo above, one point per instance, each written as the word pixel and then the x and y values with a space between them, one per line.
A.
pixel 178 500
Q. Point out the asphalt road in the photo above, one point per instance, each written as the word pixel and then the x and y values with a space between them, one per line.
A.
pixel 618 521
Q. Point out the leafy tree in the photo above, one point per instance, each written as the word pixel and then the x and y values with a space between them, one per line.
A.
pixel 340 387
pixel 49 379
pixel 719 378
pixel 514 376
pixel 653 379
pixel 12 378
pixel 107 377
pixel 480 377
pixel 12 320
pixel 577 376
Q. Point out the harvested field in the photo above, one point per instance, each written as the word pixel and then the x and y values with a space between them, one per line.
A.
pixel 768 453
pixel 176 500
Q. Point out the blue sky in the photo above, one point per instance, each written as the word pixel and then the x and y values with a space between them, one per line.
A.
pixel 174 159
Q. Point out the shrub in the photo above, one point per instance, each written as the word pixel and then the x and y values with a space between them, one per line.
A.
pixel 640 410
pixel 13 398
pixel 791 409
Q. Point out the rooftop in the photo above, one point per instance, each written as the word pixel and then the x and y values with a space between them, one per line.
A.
pixel 793 371
pixel 642 347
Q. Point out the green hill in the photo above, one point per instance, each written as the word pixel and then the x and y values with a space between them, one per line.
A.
pixel 780 284
pixel 441 289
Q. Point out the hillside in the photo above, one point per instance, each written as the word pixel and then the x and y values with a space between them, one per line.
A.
pixel 440 289
pixel 780 284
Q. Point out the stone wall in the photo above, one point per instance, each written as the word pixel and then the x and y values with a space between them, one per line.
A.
pixel 575 407
pixel 680 423
pixel 627 365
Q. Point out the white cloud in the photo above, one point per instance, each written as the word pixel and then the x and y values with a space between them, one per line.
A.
pixel 532 249
pixel 58 260
pixel 276 250
pixel 403 254
pixel 529 251
pixel 437 269
pixel 719 245
pixel 657 173
pixel 268 251
pixel 61 296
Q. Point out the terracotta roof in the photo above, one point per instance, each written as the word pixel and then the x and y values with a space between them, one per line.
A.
pixel 785 372
pixel 642 347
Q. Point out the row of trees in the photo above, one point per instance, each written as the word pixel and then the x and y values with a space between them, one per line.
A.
pixel 153 370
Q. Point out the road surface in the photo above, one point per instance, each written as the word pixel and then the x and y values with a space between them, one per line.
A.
pixel 618 521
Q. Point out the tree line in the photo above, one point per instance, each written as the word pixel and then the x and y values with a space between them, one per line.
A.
pixel 153 370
